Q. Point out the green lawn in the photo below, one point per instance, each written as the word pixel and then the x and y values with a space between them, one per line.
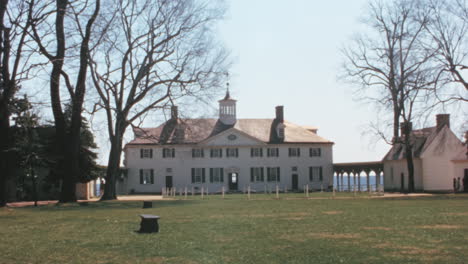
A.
pixel 236 230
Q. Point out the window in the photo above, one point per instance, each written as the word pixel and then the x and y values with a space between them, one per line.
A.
pixel 216 175
pixel 256 174
pixel 198 175
pixel 315 173
pixel 315 152
pixel 272 152
pixel 256 152
pixel 168 153
pixel 197 153
pixel 294 152
pixel 216 153
pixel 146 176
pixel 232 152
pixel 281 132
pixel 146 153
pixel 273 174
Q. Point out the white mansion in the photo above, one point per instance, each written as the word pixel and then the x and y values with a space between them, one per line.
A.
pixel 229 152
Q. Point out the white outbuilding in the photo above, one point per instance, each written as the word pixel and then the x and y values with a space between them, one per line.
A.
pixel 440 160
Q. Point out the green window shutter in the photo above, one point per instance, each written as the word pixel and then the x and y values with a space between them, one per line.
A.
pixel 311 177
pixel 211 174
pixel 202 153
pixel 268 152
pixel 321 175
pixel 277 152
pixel 289 150
pixel 278 173
pixel 310 152
pixel 164 152
pixel 141 153
pixel 268 174
pixel 152 176
pixel 261 152
pixel 141 176
pixel 261 174
pixel 252 174
pixel 211 153
pixel 237 152
pixel 203 175
pixel 193 153
pixel 251 152
pixel 193 175
pixel 151 153
pixel 222 174
pixel 221 153
pixel 173 153
pixel 298 152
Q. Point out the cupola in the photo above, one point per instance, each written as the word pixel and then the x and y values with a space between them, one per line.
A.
pixel 227 109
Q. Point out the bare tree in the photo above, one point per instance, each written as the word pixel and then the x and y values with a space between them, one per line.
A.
pixel 447 40
pixel 74 21
pixel 392 66
pixel 156 52
pixel 15 21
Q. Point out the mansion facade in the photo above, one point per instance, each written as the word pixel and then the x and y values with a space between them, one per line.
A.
pixel 230 152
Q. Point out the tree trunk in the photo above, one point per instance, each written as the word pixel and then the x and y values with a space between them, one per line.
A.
pixel 396 120
pixel 5 167
pixel 34 187
pixel 60 126
pixel 410 165
pixel 113 163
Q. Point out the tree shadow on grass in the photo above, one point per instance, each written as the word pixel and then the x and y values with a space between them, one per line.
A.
pixel 106 205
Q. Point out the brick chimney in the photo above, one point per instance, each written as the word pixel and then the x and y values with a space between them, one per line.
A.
pixel 404 125
pixel 174 112
pixel 279 114
pixel 442 120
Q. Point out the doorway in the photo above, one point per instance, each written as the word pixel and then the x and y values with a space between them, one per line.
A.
pixel 168 181
pixel 233 181
pixel 295 182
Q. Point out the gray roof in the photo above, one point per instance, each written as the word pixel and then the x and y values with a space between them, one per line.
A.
pixel 197 130
pixel 421 139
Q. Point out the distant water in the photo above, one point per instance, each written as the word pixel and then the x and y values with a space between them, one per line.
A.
pixel 372 180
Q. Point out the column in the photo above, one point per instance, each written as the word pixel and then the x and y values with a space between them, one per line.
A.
pixel 342 181
pixel 359 181
pixel 368 181
pixel 377 180
pixel 337 181
pixel 349 181
pixel 354 181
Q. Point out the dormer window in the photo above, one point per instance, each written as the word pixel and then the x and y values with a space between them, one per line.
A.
pixel 280 130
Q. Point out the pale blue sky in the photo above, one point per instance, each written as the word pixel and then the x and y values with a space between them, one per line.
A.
pixel 288 53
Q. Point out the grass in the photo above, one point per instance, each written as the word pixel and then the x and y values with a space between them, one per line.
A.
pixel 236 230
